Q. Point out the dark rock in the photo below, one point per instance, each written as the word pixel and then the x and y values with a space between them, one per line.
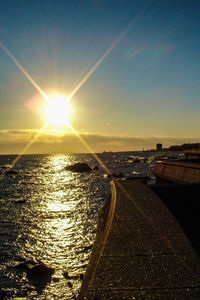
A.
pixel 70 284
pixel 66 275
pixel 73 276
pixel 56 279
pixel 20 201
pixel 3 294
pixel 11 172
pixel 40 272
pixel 21 266
pixel 136 160
pixel 87 248
pixel 120 175
pixel 114 175
pixel 79 167
pixel 96 168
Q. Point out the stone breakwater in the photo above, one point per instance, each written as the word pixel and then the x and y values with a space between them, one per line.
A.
pixel 104 223
pixel 177 171
pixel 140 250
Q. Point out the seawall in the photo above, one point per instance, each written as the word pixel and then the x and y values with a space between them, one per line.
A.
pixel 104 224
pixel 177 171
pixel 140 251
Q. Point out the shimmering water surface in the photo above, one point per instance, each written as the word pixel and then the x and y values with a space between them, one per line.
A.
pixel 49 214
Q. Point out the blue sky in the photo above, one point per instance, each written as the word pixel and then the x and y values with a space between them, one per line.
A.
pixel 147 87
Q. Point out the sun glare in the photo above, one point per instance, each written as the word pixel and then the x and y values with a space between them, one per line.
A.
pixel 57 110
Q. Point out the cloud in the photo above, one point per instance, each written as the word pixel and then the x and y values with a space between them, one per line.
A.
pixel 13 141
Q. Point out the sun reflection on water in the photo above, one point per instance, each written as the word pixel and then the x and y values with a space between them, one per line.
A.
pixel 56 206
pixel 57 223
pixel 58 162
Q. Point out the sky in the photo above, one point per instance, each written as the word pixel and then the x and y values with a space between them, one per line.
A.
pixel 132 67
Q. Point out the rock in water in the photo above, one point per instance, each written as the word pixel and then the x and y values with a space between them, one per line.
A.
pixel 115 175
pixel 3 294
pixel 56 279
pixel 70 284
pixel 20 201
pixel 79 167
pixel 66 275
pixel 120 175
pixel 96 168
pixel 40 272
pixel 11 172
pixel 73 276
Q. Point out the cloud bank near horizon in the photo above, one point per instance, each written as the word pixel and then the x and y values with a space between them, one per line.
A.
pixel 13 141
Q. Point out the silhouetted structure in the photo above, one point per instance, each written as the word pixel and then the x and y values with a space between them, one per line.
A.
pixel 188 146
pixel 158 147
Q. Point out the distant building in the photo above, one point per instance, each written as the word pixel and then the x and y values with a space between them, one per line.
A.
pixel 188 146
pixel 158 147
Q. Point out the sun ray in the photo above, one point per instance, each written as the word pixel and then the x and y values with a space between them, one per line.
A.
pixel 107 52
pixel 38 88
pixel 99 61
pixel 26 74
pixel 31 141
pixel 89 149
pixel 84 79
pixel 124 191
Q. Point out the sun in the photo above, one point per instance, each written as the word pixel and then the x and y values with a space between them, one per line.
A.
pixel 57 109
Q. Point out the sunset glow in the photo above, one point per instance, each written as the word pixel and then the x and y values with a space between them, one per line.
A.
pixel 57 110
pixel 129 68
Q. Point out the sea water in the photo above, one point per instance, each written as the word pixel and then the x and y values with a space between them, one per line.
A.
pixel 49 215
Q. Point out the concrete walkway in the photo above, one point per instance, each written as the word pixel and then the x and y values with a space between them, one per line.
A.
pixel 140 251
